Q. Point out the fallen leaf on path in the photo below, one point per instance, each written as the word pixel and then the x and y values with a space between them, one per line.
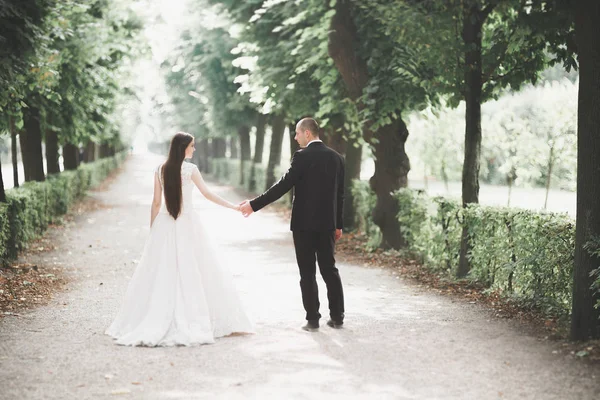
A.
pixel 120 391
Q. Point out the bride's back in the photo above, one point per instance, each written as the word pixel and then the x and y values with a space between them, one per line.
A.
pixel 186 186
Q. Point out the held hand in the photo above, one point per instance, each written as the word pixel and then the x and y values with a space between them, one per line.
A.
pixel 246 208
pixel 338 234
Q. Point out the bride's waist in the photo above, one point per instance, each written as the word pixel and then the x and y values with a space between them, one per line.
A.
pixel 184 211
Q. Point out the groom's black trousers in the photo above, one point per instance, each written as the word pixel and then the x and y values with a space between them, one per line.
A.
pixel 318 246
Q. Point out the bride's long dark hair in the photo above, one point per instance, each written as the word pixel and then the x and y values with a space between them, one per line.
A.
pixel 171 172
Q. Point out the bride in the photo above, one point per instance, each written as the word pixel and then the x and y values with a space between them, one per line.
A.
pixel 179 293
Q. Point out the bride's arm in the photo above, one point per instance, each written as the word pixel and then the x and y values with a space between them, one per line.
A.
pixel 156 200
pixel 201 185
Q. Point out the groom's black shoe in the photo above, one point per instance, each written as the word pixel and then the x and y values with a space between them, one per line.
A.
pixel 336 324
pixel 312 325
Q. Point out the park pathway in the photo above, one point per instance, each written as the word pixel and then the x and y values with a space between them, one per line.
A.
pixel 400 342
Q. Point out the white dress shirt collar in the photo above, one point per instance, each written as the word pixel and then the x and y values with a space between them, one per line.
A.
pixel 313 141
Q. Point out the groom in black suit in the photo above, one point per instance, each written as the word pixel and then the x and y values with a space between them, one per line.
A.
pixel 317 176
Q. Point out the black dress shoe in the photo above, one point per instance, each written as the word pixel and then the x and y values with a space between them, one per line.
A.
pixel 311 325
pixel 335 324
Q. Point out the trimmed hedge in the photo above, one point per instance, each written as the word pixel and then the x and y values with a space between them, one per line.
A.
pixel 524 254
pixel 30 208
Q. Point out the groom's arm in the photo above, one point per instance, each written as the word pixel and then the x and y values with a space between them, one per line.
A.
pixel 280 188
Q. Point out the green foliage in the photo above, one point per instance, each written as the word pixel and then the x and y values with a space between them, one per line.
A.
pixel 525 255
pixel 4 232
pixel 593 248
pixel 524 133
pixel 201 80
pixel 69 61
pixel 364 203
pixel 32 207
pixel 431 227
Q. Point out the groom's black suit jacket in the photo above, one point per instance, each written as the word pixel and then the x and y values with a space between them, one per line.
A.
pixel 317 176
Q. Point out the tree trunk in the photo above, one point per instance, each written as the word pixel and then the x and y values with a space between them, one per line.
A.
pixel 24 156
pixel 334 136
pixel 391 170
pixel 342 39
pixel 70 156
pixel 277 132
pixel 105 150
pixel 245 152
pixel 2 192
pixel 89 154
pixel 219 147
pixel 471 34
pixel 353 164
pixel 549 177
pixel 261 124
pixel 392 164
pixel 585 322
pixel 52 166
pixel 233 147
pixel 259 145
pixel 33 148
pixel 13 150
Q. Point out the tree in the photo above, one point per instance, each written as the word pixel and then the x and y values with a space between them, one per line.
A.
pixel 485 46
pixel 289 75
pixel 585 318
pixel 379 77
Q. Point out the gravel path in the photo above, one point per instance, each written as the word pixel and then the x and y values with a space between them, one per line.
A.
pixel 400 342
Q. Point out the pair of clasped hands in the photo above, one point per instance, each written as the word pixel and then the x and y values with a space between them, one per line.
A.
pixel 245 208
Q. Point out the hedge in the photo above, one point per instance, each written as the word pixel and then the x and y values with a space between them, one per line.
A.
pixel 524 254
pixel 30 208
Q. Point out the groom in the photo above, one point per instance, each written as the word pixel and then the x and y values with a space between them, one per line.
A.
pixel 317 176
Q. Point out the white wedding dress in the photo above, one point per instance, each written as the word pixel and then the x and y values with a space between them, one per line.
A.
pixel 179 294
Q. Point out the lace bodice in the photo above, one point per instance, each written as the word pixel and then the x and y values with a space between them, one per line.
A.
pixel 187 169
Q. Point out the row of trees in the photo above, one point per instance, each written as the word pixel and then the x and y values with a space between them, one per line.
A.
pixel 362 67
pixel 62 63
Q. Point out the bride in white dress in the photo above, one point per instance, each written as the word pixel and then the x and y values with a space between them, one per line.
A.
pixel 179 293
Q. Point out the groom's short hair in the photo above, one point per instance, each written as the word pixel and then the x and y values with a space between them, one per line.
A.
pixel 309 124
